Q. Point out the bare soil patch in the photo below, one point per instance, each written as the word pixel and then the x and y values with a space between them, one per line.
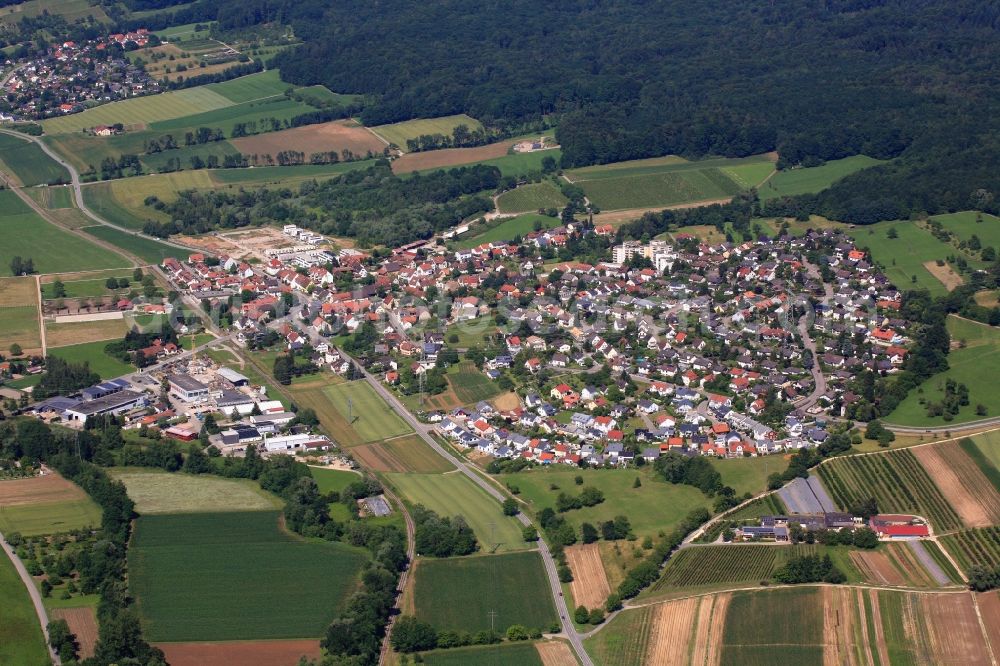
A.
pixel 989 609
pixel 673 624
pixel 876 568
pixel 245 653
pixel 506 401
pixel 590 584
pixel 555 653
pixel 953 631
pixel 449 157
pixel 962 482
pixel 48 488
pixel 946 275
pixel 83 623
pixel 336 135
pixel 838 626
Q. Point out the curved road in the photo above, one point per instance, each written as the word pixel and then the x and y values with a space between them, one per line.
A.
pixel 36 597
pixel 424 431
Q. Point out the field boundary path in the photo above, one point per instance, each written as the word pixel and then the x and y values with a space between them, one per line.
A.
pixel 423 431
pixel 41 316
pixel 411 551
pixel 36 597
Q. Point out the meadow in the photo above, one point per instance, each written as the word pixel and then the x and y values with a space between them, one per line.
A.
pixel 251 87
pixel 454 494
pixel 61 335
pixel 283 175
pixel 408 453
pixel 49 517
pixel 90 287
pixel 156 492
pixel 367 414
pixel 903 258
pixel 108 367
pixel 52 198
pixel 813 179
pixel 459 593
pixel 973 365
pixel 469 384
pixel 895 479
pixel 24 233
pixel 19 324
pixel 21 639
pixel 122 201
pixel 747 475
pixel 146 249
pixel 71 10
pixel 507 229
pixel 284 586
pixel 398 133
pixel 531 197
pixel 653 507
pixel 29 164
pixel 139 111
pixel 965 226
pixel 328 480
pixel 280 108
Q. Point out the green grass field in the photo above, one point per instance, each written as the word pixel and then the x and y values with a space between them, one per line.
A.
pixel 71 10
pixel 21 639
pixel 624 640
pixel 146 249
pixel 232 576
pixel 251 87
pixel 185 31
pixel 653 507
pixel 52 198
pixel 23 233
pixel 988 444
pixel 143 110
pixel 157 492
pixel 108 367
pixel 373 419
pixel 471 385
pixel 792 633
pixel 509 228
pixel 459 593
pixel 965 226
pixel 814 179
pixel 333 479
pixel 454 494
pixel 29 164
pixel 975 365
pixel 667 181
pixel 503 654
pixel 903 258
pixel 279 108
pixel 748 475
pixel 49 517
pixel 283 175
pixel 122 201
pixel 398 133
pixel 531 197
pixel 19 324
pixel 90 288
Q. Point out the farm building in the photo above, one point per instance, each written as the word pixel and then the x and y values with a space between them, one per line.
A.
pixel 233 377
pixel 894 526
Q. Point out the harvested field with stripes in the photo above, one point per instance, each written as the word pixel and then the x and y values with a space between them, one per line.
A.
pixel 896 480
pixel 964 485
pixel 672 627
pixel 898 564
pixel 555 653
pixel 590 582
pixel 408 453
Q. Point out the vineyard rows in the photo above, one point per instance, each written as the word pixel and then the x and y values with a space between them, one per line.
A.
pixel 971 547
pixel 897 482
pixel 711 565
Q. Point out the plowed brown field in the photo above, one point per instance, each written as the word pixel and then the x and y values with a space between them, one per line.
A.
pixel 876 568
pixel 48 488
pixel 962 482
pixel 83 623
pixel 245 653
pixel 449 157
pixel 590 584
pixel 336 135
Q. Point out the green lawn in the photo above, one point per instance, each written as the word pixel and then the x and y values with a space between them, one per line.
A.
pixel 23 233
pixel 903 257
pixel 975 366
pixel 29 164
pixel 531 197
pixel 749 175
pixel 367 413
pixel 108 367
pixel 146 249
pixel 454 494
pixel 814 179
pixel 156 492
pixel 333 479
pixel 471 385
pixel 253 86
pixel 49 517
pixel 503 654
pixel 459 593
pixel 509 228
pixel 232 576
pixel 21 639
pixel 748 475
pixel 89 288
pixel 398 133
pixel 653 507
pixel 965 226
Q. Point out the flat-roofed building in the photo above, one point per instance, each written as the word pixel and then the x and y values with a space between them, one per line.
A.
pixel 116 403
pixel 187 388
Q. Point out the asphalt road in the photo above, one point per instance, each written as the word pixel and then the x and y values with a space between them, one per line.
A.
pixel 424 431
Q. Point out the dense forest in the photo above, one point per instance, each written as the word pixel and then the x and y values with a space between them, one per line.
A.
pixel 815 80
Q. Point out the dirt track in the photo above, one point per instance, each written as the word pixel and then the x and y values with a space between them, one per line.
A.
pixel 590 583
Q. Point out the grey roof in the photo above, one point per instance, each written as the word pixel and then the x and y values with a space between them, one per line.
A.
pixel 186 383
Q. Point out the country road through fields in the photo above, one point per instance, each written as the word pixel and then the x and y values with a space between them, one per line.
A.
pixel 423 431
pixel 36 597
